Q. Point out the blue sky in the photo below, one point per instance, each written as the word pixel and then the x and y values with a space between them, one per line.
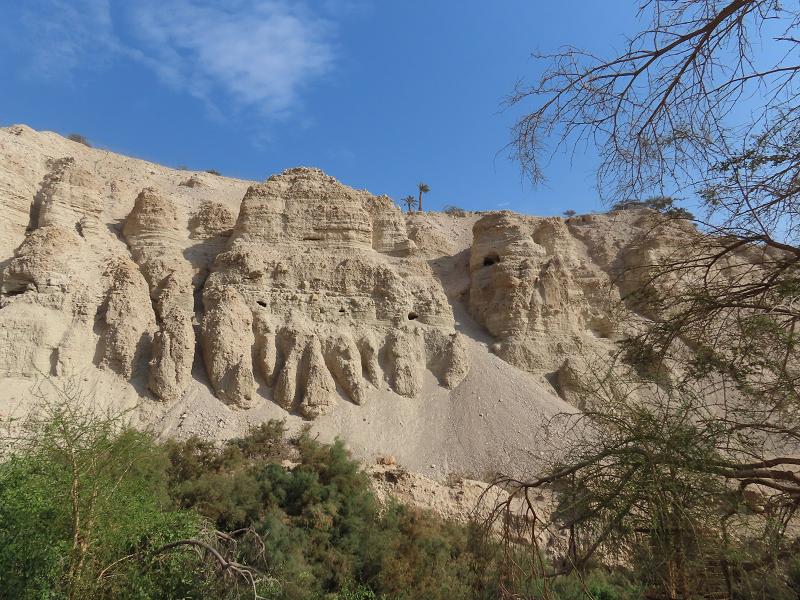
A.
pixel 378 94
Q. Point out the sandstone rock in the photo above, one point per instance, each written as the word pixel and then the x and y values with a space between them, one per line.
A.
pixel 335 300
pixel 44 265
pixel 318 284
pixel 20 179
pixel 536 290
pixel 227 343
pixel 213 219
pixel 193 182
pixel 67 285
pixel 48 303
pixel 570 383
pixel 126 320
pixel 154 231
pixel 69 198
pixel 550 291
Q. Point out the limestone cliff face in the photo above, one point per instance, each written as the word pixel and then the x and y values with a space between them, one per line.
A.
pixel 68 296
pixel 155 237
pixel 549 290
pixel 311 295
pixel 316 283
pixel 210 304
pixel 536 289
pixel 315 292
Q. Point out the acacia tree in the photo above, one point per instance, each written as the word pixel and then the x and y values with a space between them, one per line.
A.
pixel 85 513
pixel 665 118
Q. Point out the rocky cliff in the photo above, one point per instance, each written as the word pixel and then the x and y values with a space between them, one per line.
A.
pixel 209 304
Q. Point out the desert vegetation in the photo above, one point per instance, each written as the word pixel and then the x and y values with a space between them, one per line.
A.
pixel 684 464
pixel 409 201
pixel 92 508
pixel 79 139
pixel 423 188
pixel 454 211
pixel 663 204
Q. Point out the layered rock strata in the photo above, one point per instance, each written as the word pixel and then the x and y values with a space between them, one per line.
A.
pixel 66 284
pixel 557 294
pixel 317 291
pixel 156 236
pixel 312 292
pixel 536 290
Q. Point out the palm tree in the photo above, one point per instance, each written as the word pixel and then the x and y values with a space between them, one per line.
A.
pixel 423 189
pixel 409 202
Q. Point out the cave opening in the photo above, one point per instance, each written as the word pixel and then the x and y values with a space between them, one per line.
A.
pixel 490 259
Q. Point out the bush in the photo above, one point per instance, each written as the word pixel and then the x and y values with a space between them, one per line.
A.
pixel 323 528
pixel 663 204
pixel 78 497
pixel 455 211
pixel 78 138
pixel 596 585
pixel 317 528
pixel 213 172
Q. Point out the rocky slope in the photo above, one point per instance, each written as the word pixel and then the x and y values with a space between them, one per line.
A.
pixel 209 304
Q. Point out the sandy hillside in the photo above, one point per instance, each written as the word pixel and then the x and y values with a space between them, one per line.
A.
pixel 210 304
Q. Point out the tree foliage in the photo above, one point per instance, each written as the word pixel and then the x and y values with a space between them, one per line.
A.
pixel 663 204
pixel 321 526
pixel 92 509
pixel 78 138
pixel 693 477
pixel 423 188
pixel 81 493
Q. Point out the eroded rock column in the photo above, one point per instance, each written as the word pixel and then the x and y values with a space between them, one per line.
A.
pixel 320 276
pixel 154 234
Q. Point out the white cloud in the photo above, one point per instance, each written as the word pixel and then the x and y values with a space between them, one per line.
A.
pixel 255 53
pixel 61 35
pixel 260 53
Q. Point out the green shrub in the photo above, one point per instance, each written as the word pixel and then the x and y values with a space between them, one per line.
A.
pixel 596 585
pixel 663 204
pixel 324 530
pixel 355 591
pixel 454 211
pixel 80 495
pixel 78 138
pixel 317 529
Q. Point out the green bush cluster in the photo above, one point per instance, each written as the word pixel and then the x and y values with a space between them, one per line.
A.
pixel 88 506
pixel 122 507
pixel 663 204
pixel 324 532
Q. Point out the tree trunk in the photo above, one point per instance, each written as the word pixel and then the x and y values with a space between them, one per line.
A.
pixel 419 205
